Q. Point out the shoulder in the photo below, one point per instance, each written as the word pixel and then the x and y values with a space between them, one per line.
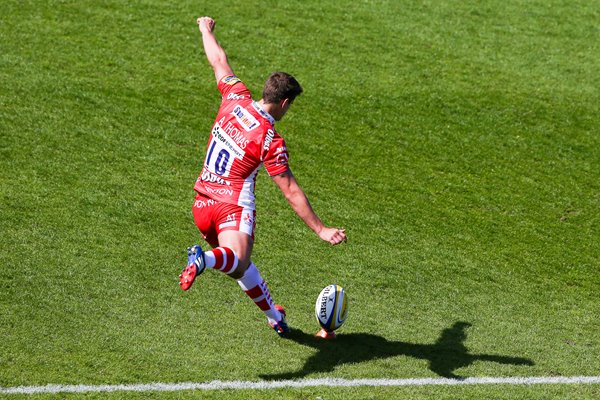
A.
pixel 232 88
pixel 274 146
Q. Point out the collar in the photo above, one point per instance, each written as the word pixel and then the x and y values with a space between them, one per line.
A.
pixel 263 113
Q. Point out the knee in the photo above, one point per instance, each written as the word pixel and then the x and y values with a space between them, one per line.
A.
pixel 241 269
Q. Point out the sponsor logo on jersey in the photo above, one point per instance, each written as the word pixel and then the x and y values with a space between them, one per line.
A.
pixel 204 203
pixel 263 113
pixel 235 96
pixel 246 120
pixel 238 145
pixel 208 176
pixel 230 217
pixel 269 139
pixel 219 191
pixel 282 159
pixel 234 133
pixel 229 221
pixel 231 80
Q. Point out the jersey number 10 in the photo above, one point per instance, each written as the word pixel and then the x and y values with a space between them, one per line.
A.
pixel 220 162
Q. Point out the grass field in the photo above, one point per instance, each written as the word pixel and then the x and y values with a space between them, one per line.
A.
pixel 458 143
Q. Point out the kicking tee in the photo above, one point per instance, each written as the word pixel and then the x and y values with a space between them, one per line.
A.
pixel 242 140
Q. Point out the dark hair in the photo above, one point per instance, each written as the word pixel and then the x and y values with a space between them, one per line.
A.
pixel 280 86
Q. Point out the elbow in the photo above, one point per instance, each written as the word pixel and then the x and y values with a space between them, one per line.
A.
pixel 295 197
pixel 218 60
pixel 289 196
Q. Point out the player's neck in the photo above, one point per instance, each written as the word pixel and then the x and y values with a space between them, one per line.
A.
pixel 266 106
pixel 272 109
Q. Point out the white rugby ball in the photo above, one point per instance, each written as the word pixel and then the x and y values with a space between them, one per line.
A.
pixel 331 308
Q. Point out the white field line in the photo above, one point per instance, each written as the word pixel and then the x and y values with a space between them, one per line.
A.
pixel 302 383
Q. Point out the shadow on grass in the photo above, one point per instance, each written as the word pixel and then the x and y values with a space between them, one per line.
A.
pixel 446 355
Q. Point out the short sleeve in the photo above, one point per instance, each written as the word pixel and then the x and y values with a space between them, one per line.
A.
pixel 232 88
pixel 276 157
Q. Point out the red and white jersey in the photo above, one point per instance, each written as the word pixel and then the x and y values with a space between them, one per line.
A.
pixel 243 139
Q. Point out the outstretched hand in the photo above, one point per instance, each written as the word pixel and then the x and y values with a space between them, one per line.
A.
pixel 206 24
pixel 333 235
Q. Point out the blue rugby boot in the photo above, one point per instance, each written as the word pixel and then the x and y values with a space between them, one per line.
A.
pixel 280 327
pixel 195 267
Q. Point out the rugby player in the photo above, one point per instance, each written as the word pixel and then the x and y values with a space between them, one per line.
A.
pixel 243 139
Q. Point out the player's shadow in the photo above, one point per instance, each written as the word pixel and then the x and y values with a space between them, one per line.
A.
pixel 445 356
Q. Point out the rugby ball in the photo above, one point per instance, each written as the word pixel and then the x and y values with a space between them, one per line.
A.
pixel 331 308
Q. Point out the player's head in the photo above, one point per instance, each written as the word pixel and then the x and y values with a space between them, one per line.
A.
pixel 280 91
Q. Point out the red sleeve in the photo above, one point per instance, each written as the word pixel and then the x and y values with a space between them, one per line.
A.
pixel 232 88
pixel 276 156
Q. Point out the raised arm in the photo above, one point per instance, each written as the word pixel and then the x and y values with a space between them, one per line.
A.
pixel 214 52
pixel 300 204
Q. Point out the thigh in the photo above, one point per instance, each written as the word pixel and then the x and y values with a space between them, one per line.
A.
pixel 231 217
pixel 205 214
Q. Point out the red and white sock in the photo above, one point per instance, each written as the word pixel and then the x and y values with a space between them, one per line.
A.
pixel 221 258
pixel 256 288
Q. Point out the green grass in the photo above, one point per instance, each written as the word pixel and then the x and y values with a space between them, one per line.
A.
pixel 457 142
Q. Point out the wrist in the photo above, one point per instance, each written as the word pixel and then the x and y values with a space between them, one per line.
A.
pixel 319 229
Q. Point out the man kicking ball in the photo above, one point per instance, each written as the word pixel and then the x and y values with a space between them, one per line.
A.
pixel 242 140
